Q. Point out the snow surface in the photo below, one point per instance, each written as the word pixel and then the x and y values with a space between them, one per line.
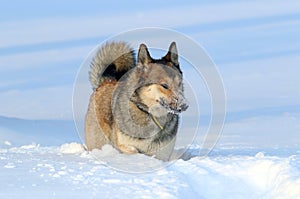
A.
pixel 263 163
pixel 68 171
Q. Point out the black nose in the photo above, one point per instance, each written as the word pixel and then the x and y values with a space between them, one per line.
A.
pixel 182 107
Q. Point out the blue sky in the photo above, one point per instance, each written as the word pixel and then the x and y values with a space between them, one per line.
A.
pixel 255 45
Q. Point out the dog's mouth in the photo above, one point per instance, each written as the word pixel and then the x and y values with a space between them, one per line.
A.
pixel 175 107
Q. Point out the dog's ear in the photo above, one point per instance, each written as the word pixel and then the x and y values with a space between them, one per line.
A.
pixel 143 56
pixel 172 54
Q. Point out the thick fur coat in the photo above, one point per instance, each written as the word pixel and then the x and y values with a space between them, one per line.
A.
pixel 135 105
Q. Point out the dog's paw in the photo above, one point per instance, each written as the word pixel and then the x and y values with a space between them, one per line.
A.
pixel 128 149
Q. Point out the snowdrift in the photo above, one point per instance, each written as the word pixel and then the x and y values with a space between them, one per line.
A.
pixel 238 167
pixel 68 171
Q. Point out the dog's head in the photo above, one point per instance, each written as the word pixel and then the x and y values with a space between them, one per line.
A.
pixel 161 90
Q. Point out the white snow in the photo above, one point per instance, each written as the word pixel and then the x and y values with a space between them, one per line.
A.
pixel 71 148
pixel 45 159
pixel 7 143
pixel 68 171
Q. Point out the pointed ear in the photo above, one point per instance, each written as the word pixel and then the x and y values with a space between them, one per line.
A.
pixel 172 55
pixel 143 55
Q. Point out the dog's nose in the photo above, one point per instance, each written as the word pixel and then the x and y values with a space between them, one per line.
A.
pixel 183 107
pixel 182 103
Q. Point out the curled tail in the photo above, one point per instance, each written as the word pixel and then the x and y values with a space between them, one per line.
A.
pixel 111 61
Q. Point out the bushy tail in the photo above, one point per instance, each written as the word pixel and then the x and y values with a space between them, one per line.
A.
pixel 111 61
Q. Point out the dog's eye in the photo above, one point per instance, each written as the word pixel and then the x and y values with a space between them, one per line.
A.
pixel 165 86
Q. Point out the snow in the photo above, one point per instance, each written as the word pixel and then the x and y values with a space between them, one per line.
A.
pixel 71 148
pixel 33 171
pixel 7 143
pixel 46 159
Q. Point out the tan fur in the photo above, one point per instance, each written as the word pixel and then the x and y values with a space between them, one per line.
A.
pixel 121 113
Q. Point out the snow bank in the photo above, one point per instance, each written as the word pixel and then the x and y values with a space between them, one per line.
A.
pixel 68 171
pixel 242 177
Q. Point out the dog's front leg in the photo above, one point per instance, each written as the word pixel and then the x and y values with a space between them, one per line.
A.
pixel 128 149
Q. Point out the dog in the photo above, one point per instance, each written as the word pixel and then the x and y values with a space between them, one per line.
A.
pixel 135 105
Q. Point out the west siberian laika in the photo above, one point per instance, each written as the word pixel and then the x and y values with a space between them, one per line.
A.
pixel 134 106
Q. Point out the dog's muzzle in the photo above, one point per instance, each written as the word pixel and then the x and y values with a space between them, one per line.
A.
pixel 182 107
pixel 176 106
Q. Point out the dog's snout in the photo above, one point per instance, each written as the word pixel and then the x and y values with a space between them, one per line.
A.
pixel 183 107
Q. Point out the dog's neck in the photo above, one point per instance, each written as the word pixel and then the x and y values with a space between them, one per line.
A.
pixel 145 112
pixel 155 120
pixel 139 114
